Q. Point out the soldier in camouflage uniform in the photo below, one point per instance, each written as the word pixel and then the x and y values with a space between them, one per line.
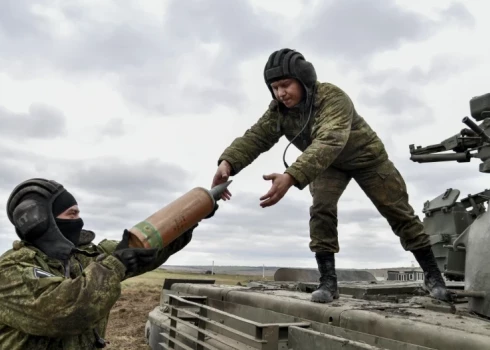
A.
pixel 56 286
pixel 338 145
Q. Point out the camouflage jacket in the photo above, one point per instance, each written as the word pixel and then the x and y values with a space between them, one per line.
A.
pixel 336 135
pixel 42 309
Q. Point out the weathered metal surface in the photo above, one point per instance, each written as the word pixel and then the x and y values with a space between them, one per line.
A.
pixel 267 316
pixel 209 322
pixel 157 334
pixel 445 219
pixel 477 274
pixel 312 275
pixel 403 322
pixel 167 283
pixel 365 338
pixel 368 291
pixel 298 337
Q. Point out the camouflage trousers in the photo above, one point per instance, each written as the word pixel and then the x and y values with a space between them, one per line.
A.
pixel 384 186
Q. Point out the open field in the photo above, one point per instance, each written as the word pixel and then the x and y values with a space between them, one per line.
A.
pixel 268 271
pixel 140 295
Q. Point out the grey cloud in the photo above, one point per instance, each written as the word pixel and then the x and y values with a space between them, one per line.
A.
pixel 245 231
pixel 41 121
pixel 239 227
pixel 111 193
pixel 114 127
pixel 264 247
pixel 108 215
pixel 361 215
pixel 137 181
pixel 216 78
pixel 392 101
pixel 14 165
pixel 11 174
pixel 6 243
pixel 146 57
pixel 18 21
pixel 441 67
pixel 286 221
pixel 248 213
pixel 458 14
pixel 396 92
pixel 407 110
pixel 357 29
pixel 432 179
pixel 367 250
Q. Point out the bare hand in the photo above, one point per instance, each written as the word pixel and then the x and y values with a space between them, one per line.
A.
pixel 221 176
pixel 280 185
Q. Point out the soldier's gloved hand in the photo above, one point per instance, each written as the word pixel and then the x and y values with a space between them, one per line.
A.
pixel 135 259
pixel 210 215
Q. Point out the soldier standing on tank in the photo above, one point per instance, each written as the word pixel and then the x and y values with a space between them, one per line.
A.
pixel 57 287
pixel 337 145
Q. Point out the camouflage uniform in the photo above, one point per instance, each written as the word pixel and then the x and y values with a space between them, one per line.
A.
pixel 337 145
pixel 41 309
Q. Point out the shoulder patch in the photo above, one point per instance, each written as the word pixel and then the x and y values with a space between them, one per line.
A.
pixel 41 273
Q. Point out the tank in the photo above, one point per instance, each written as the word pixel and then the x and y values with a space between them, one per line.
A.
pixel 392 314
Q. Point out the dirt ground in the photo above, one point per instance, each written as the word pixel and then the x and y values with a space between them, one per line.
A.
pixel 126 329
pixel 140 295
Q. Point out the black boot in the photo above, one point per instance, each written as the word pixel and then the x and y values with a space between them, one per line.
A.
pixel 433 283
pixel 327 291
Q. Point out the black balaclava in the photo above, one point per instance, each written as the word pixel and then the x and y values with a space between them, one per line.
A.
pixel 70 228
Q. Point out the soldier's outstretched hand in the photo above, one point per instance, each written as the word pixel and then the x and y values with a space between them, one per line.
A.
pixel 280 185
pixel 222 174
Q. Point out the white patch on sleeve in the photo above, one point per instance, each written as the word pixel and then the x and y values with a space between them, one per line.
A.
pixel 41 273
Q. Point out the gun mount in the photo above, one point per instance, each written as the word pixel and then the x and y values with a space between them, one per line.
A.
pixel 459 230
pixel 471 142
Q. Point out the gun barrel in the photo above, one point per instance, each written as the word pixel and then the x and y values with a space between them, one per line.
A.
pixel 429 158
pixel 478 130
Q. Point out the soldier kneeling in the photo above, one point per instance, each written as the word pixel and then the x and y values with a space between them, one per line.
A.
pixel 57 287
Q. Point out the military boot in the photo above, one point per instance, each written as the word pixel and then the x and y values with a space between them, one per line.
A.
pixel 327 291
pixel 433 282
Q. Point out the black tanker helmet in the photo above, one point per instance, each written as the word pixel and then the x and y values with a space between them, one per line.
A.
pixel 30 209
pixel 287 63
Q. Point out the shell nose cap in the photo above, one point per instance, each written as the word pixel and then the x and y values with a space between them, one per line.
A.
pixel 217 191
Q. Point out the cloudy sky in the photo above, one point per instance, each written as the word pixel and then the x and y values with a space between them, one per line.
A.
pixel 130 103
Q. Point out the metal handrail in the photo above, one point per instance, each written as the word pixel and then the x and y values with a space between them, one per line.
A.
pixel 264 336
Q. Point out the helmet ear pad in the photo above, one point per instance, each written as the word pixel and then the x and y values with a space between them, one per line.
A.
pixel 32 217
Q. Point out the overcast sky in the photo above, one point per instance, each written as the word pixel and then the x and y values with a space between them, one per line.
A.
pixel 130 103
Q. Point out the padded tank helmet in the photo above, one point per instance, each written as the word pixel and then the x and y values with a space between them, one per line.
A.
pixel 29 209
pixel 287 63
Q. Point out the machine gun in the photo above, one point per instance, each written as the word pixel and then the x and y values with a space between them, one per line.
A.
pixel 460 236
pixel 475 139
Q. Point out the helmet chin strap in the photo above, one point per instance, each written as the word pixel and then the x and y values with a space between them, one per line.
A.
pixel 299 133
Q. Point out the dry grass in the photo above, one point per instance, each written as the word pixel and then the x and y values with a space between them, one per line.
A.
pixel 139 296
pixel 156 278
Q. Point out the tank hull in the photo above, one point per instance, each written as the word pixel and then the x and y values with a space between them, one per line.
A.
pixel 413 322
